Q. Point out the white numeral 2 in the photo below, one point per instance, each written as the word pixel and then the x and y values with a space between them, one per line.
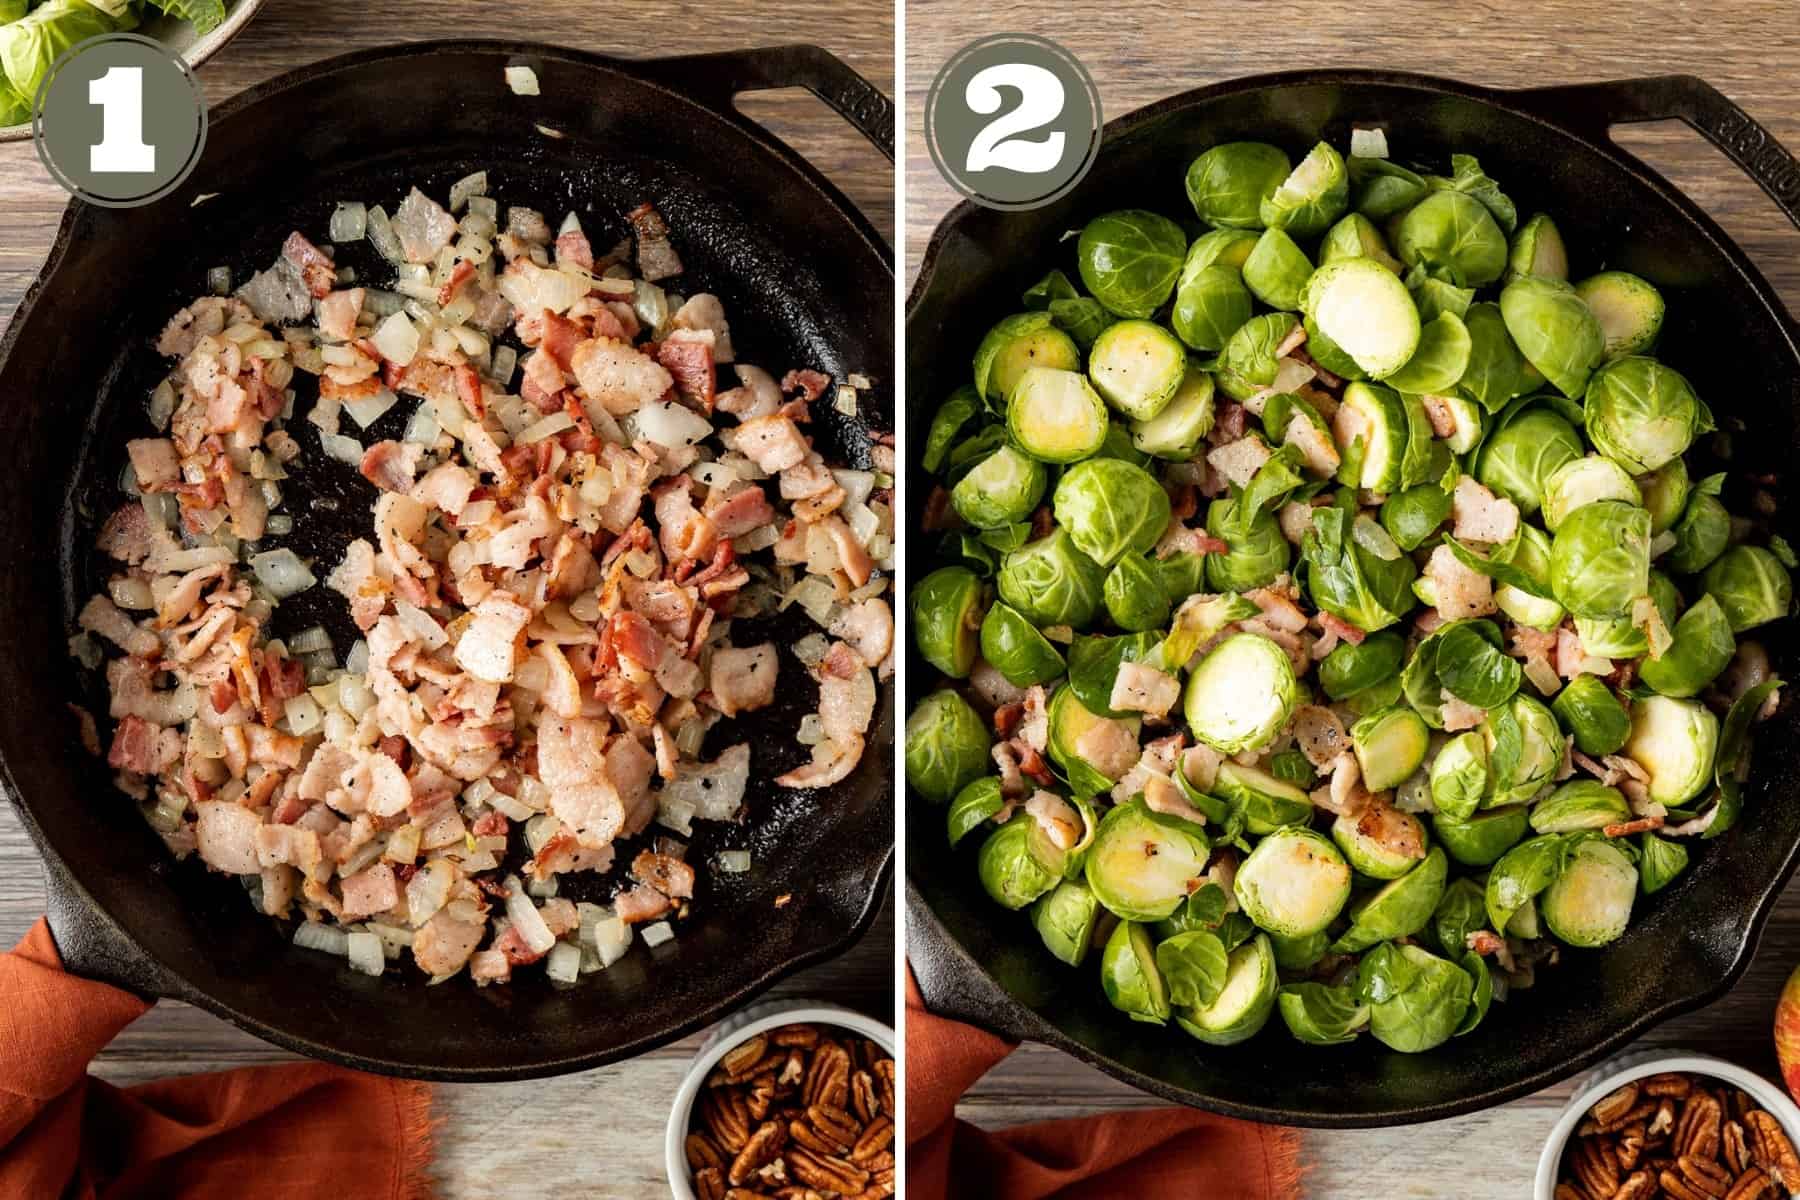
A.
pixel 1040 102
pixel 120 95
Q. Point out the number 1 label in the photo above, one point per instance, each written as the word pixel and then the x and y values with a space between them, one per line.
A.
pixel 120 95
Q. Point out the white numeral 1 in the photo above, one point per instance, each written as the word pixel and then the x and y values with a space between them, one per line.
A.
pixel 1040 102
pixel 120 95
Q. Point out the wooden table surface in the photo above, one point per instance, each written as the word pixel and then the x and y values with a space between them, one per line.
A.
pixel 1139 52
pixel 600 1133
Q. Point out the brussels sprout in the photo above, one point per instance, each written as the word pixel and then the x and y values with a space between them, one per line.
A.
pixel 1589 904
pixel 1416 1000
pixel 1064 918
pixel 946 612
pixel 1484 837
pixel 1496 371
pixel 1459 776
pixel 1142 861
pixel 1674 741
pixel 1249 352
pixel 1371 426
pixel 1083 318
pixel 1203 909
pixel 1134 595
pixel 1211 303
pixel 1094 666
pixel 1291 766
pixel 1380 188
pixel 1013 646
pixel 1424 458
pixel 1483 978
pixel 1751 586
pixel 1355 236
pixel 1600 558
pixel 1003 488
pixel 1622 636
pixel 1642 413
pixel 1301 953
pixel 973 807
pixel 1110 509
pixel 1253 559
pixel 1265 802
pixel 1056 416
pixel 1554 330
pixel 1702 648
pixel 1129 976
pixel 1276 270
pixel 1629 309
pixel 1312 197
pixel 31 43
pixel 1349 580
pixel 1294 883
pixel 1523 872
pixel 1015 345
pixel 1389 746
pixel 1129 260
pixel 1461 911
pixel 1578 805
pixel 1452 236
pixel 1665 492
pixel 1468 421
pixel 1327 353
pixel 1440 360
pixel 1433 297
pixel 1320 1015
pixel 1588 709
pixel 1525 748
pixel 1364 311
pixel 1228 183
pixel 1194 965
pixel 1413 515
pixel 1051 582
pixel 972 451
pixel 1468 178
pixel 1397 909
pixel 1381 842
pixel 1701 534
pixel 1070 722
pixel 1136 367
pixel 1052 287
pixel 1537 249
pixel 1351 667
pixel 952 415
pixel 1012 877
pixel 1199 620
pixel 1659 862
pixel 1182 575
pixel 1244 1005
pixel 946 746
pixel 1221 247
pixel 1530 556
pixel 1472 666
pixel 1241 694
pixel 1583 481
pixel 1179 430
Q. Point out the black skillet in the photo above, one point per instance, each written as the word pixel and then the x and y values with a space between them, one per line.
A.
pixel 806 281
pixel 1726 329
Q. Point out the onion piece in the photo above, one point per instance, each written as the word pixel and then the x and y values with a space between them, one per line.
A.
pixel 656 933
pixel 218 281
pixel 369 409
pixel 1368 143
pixel 311 935
pixel 349 221
pixel 611 939
pixel 344 449
pixel 550 426
pixel 382 236
pixel 420 624
pixel 526 918
pixel 282 572
pixel 365 953
pixel 303 715
pixel 475 184
pixel 564 963
pixel 734 862
pixel 397 338
pixel 522 80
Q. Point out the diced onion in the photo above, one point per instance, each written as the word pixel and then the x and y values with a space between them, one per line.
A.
pixel 811 649
pixel 422 427
pixel 344 449
pixel 656 933
pixel 734 862
pixel 715 789
pixel 309 640
pixel 397 338
pixel 812 730
pixel 845 400
pixel 162 405
pixel 675 812
pixel 304 717
pixel 131 593
pixel 522 80
pixel 1373 538
pixel 506 360
pixel 526 918
pixel 311 935
pixel 506 804
pixel 282 572
pixel 365 953
pixel 420 624
pixel 611 939
pixel 349 221
pixel 564 963
pixel 467 186
pixel 357 661
pixel 551 425
pixel 369 409
pixel 382 236
pixel 1368 143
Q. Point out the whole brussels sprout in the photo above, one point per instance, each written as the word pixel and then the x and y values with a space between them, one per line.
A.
pixel 1525 748
pixel 1702 533
pixel 946 613
pixel 1013 646
pixel 1051 582
pixel 1130 977
pixel 1702 647
pixel 1588 709
pixel 1277 270
pixel 1111 509
pixel 1578 805
pixel 1002 489
pixel 1251 560
pixel 1355 236
pixel 1398 909
pixel 1459 776
pixel 974 806
pixel 1453 236
pixel 1416 1000
pixel 1642 414
pixel 1129 260
pixel 1142 861
pixel 1496 371
pixel 1352 667
pixel 1520 455
pixel 1211 302
pixel 1009 872
pixel 946 746
pixel 1751 586
pixel 1241 694
pixel 1321 1015
pixel 1600 558
pixel 1467 177
pixel 1312 197
pixel 1064 918
pixel 1015 345
pixel 1589 904
pixel 1675 742
pixel 1555 331
pixel 1665 492
pixel 1134 595
pixel 1228 183
pixel 1537 249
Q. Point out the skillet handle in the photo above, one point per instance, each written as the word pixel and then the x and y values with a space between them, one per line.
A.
pixel 92 947
pixel 1592 107
pixel 715 79
pixel 953 985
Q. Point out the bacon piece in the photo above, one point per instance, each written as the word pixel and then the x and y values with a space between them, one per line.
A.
pixel 318 272
pixel 640 903
pixel 573 247
pixel 690 364
pixel 390 465
pixel 1341 628
pixel 134 746
pixel 809 383
pixel 664 872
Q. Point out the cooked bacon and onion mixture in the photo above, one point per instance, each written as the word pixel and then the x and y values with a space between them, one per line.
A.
pixel 560 548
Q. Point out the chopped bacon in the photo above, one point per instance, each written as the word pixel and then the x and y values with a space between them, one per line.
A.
pixel 460 274
pixel 317 271
pixel 690 364
pixel 560 337
pixel 640 903
pixel 389 465
pixel 810 384
pixel 134 746
pixel 1343 629
pixel 667 874
pixel 573 247
pixel 1627 828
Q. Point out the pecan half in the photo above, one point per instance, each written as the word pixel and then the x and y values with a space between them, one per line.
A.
pixel 701 1153
pixel 1752 1185
pixel 1677 1086
pixel 1705 1176
pixel 1697 1130
pixel 744 1058
pixel 1639 1185
pixel 1568 1191
pixel 761 1097
pixel 863 1100
pixel 709 1183
pixel 804 1036
pixel 884 1083
pixel 828 1078
pixel 1596 1167
pixel 828 1173
pixel 762 1149
pixel 1614 1104
pixel 1735 1147
pixel 1773 1151
pixel 874 1140
pixel 727 1118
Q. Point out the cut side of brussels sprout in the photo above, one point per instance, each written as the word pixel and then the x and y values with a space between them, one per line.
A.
pixel 1629 309
pixel 1583 481
pixel 1001 490
pixel 1228 183
pixel 1642 413
pixel 1381 842
pixel 1674 741
pixel 1483 838
pixel 1179 430
pixel 1142 862
pixel 1399 908
pixel 1589 905
pixel 1016 345
pixel 1312 197
pixel 1129 975
pixel 1244 1004
pixel 1366 312
pixel 1265 801
pixel 1241 694
pixel 1389 746
pixel 1136 367
pixel 1371 431
pixel 1221 247
pixel 1009 872
pixel 1055 415
pixel 1578 805
pixel 1293 883
pixel 1277 270
pixel 1064 918
pixel 1465 419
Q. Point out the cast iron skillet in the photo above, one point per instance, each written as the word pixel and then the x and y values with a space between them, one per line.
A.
pixel 1550 148
pixel 806 281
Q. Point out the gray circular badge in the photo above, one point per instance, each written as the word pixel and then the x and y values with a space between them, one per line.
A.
pixel 1013 121
pixel 119 121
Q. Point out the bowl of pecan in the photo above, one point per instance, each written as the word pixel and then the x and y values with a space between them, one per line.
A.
pixel 1655 1125
pixel 788 1100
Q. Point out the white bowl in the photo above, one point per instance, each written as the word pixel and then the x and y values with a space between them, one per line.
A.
pixel 740 1027
pixel 1636 1064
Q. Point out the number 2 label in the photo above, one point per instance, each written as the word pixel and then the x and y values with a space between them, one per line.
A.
pixel 1040 102
pixel 120 95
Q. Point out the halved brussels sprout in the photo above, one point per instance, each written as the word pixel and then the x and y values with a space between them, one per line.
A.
pixel 1416 1000
pixel 1194 966
pixel 946 746
pixel 1453 236
pixel 973 807
pixel 1389 745
pixel 1496 371
pixel 1265 802
pixel 1056 416
pixel 1600 558
pixel 1110 509
pixel 1466 417
pixel 1314 195
pixel 1211 303
pixel 1702 648
pixel 1701 535
pixel 1525 748
pixel 1249 352
pixel 1252 559
pixel 1355 236
pixel 1351 573
pixel 1461 911
pixel 1659 862
pixel 1136 367
pixel 1009 872
pixel 1301 953
pixel 1440 360
pixel 1070 723
pixel 1051 582
pixel 1064 918
pixel 1321 1015
pixel 1179 430
pixel 1530 555
pixel 1537 249
pixel 1413 515
pixel 1134 595
pixel 1221 247
pixel 1588 709
pixel 1365 312
pixel 1434 297
pixel 1228 183
pixel 1013 646
pixel 1623 636
pixel 1665 492
pixel 1523 872
pixel 1554 330
pixel 1629 309
pixel 1241 694
pixel 946 613
pixel 1372 430
pixel 1459 776
pixel 1642 413
pixel 1294 883
pixel 1751 586
pixel 1182 575
pixel 957 410
pixel 1244 1004
pixel 1327 353
pixel 1381 188
pixel 1674 741
pixel 1142 861
pixel 1129 975
pixel 1277 270
pixel 1484 837
pixel 1351 667
pixel 1015 345
pixel 1578 805
pixel 1399 908
pixel 1381 842
pixel 1589 904
pixel 1129 260
pixel 1002 489
pixel 1473 667
pixel 1583 481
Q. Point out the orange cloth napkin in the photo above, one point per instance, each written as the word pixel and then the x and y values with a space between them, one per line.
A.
pixel 1144 1155
pixel 303 1129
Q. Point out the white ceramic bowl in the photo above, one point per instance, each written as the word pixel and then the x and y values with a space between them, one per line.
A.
pixel 740 1027
pixel 1636 1064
